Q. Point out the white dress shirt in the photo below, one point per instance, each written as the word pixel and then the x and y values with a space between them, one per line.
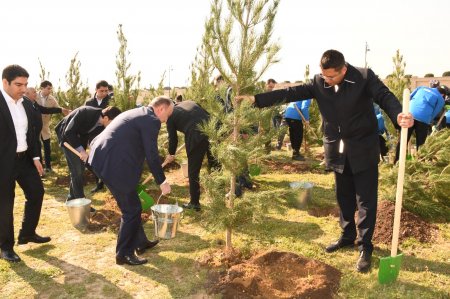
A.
pixel 20 121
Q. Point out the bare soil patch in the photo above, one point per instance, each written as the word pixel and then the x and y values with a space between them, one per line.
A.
pixel 276 274
pixel 89 178
pixel 108 217
pixel 289 167
pixel 411 225
pixel 324 211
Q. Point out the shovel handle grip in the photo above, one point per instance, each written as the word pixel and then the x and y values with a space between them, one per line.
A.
pixel 401 176
pixel 70 148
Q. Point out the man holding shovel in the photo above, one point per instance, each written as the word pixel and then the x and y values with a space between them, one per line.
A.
pixel 81 125
pixel 187 116
pixel 345 95
pixel 117 157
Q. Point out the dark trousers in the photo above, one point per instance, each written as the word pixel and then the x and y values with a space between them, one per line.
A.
pixel 421 129
pixel 25 173
pixel 295 133
pixel 358 192
pixel 195 160
pixel 76 170
pixel 47 153
pixel 131 233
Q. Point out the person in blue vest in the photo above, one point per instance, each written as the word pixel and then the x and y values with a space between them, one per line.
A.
pixel 426 103
pixel 296 113
pixel 381 130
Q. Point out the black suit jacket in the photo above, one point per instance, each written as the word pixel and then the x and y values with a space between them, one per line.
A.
pixel 347 115
pixel 118 153
pixel 8 140
pixel 186 118
pixel 76 127
pixel 93 102
pixel 38 110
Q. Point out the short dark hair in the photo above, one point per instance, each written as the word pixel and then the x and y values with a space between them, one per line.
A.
pixel 179 98
pixel 271 81
pixel 46 83
pixel 13 71
pixel 332 59
pixel 110 87
pixel 101 83
pixel 218 79
pixel 111 112
pixel 161 100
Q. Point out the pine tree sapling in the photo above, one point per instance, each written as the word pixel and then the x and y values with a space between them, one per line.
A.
pixel 237 40
pixel 427 179
pixel 127 89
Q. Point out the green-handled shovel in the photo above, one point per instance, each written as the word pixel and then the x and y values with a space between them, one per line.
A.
pixel 390 266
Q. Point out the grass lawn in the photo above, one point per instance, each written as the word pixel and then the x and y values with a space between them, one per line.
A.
pixel 77 265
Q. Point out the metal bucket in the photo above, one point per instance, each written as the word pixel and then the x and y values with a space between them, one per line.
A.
pixel 304 193
pixel 184 169
pixel 166 219
pixel 79 212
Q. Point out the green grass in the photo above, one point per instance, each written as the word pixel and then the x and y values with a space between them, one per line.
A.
pixel 77 265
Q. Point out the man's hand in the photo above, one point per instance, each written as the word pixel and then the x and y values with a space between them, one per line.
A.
pixel 38 165
pixel 169 159
pixel 84 156
pixel 65 111
pixel 247 98
pixel 405 120
pixel 165 188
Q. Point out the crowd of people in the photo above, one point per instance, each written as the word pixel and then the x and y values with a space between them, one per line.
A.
pixel 120 143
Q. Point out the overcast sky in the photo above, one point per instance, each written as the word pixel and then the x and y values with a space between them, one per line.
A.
pixel 165 34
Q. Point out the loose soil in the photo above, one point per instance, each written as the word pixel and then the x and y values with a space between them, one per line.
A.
pixel 287 167
pixel 64 181
pixel 276 274
pixel 411 226
pixel 324 211
pixel 108 216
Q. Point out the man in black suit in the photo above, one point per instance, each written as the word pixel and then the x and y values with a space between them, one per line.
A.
pixel 77 128
pixel 101 97
pixel 345 95
pixel 100 100
pixel 187 116
pixel 117 157
pixel 19 160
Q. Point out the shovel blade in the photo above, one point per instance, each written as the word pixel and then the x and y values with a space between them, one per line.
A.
pixel 389 268
pixel 146 200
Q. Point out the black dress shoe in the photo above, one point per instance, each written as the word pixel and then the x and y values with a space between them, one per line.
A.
pixel 34 239
pixel 97 188
pixel 192 206
pixel 364 261
pixel 341 243
pixel 10 256
pixel 131 259
pixel 147 245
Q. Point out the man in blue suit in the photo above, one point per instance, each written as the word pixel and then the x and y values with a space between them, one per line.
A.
pixel 117 157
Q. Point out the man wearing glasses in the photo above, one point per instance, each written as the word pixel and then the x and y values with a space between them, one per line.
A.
pixel 345 95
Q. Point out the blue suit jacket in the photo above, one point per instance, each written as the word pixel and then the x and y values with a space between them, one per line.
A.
pixel 118 153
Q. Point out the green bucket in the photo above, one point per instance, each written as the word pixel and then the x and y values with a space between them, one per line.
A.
pixel 146 200
pixel 254 169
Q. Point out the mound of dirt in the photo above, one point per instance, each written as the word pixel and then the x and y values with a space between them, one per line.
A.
pixel 108 217
pixel 276 274
pixel 410 225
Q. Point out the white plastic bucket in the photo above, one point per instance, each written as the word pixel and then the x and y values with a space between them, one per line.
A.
pixel 166 219
pixel 79 212
pixel 304 192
